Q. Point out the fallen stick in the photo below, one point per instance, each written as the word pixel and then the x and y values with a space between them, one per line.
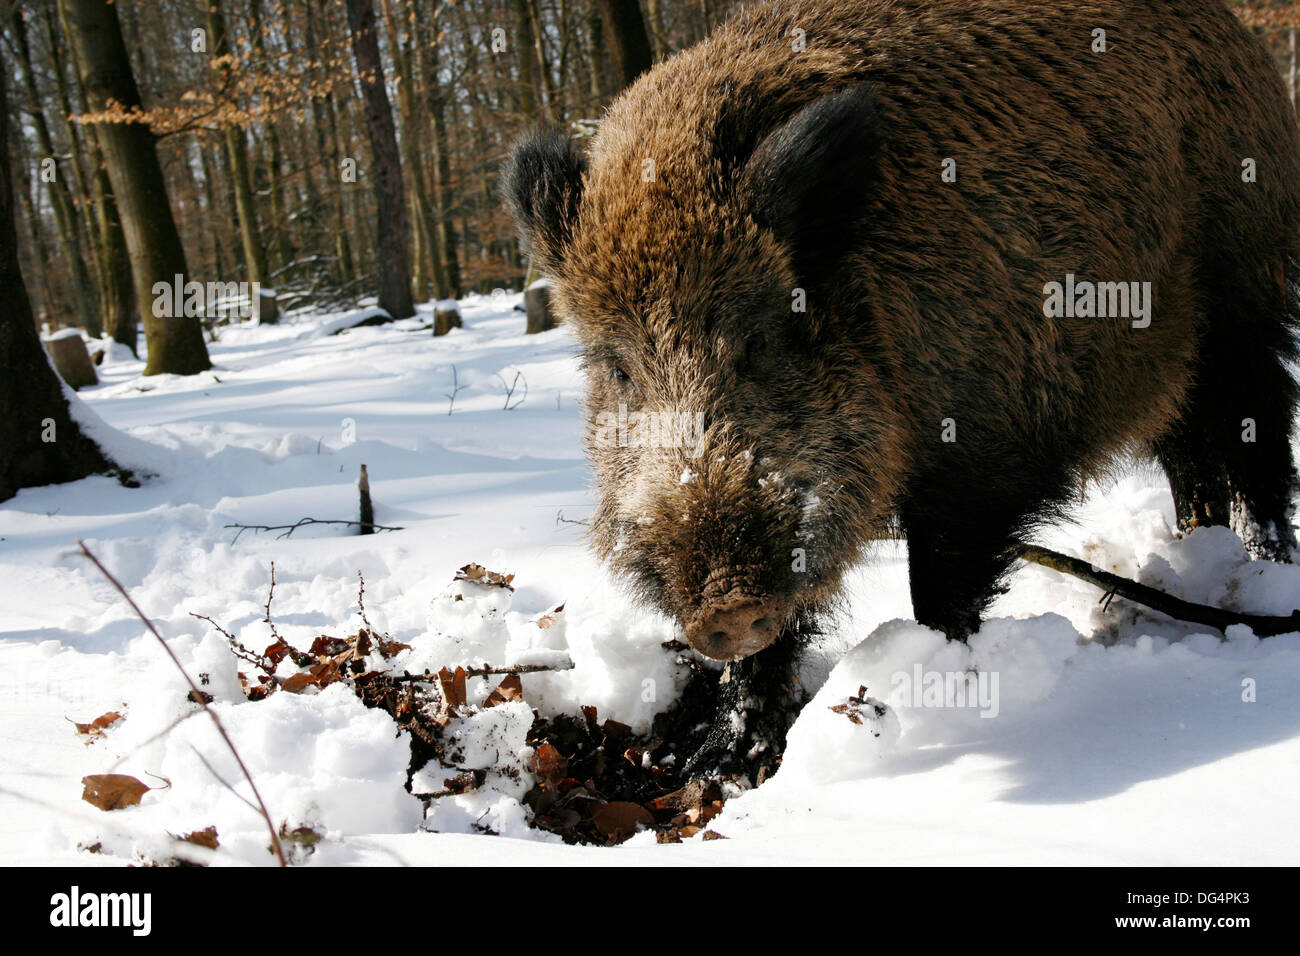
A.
pixel 1264 625
pixel 289 529
pixel 487 670
pixel 367 507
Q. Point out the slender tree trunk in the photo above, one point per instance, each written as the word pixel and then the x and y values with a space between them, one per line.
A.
pixel 528 93
pixel 250 233
pixel 118 295
pixel 393 257
pixel 275 156
pixel 595 58
pixel 442 177
pixel 656 26
pixel 40 444
pixel 545 88
pixel 631 46
pixel 81 152
pixel 428 267
pixel 428 51
pixel 39 251
pixel 65 214
pixel 175 342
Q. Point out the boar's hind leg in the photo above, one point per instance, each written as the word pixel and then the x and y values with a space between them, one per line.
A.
pixel 1229 458
pixel 1197 477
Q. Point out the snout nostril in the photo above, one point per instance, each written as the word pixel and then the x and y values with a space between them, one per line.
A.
pixel 762 624
pixel 717 637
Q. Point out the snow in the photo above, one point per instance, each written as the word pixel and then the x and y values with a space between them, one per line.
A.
pixel 1064 733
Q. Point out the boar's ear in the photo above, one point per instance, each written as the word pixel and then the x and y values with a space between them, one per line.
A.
pixel 543 184
pixel 809 179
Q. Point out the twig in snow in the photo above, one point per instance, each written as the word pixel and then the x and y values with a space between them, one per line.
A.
pixel 456 389
pixel 487 670
pixel 237 648
pixel 510 389
pixel 361 602
pixel 560 519
pixel 289 529
pixel 270 623
pixel 198 697
pixel 1264 625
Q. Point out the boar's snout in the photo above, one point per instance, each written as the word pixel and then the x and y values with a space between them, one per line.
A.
pixel 734 626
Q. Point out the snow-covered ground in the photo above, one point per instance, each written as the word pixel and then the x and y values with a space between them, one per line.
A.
pixel 1092 737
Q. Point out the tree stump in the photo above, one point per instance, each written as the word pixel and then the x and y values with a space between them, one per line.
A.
pixel 268 310
pixel 71 359
pixel 537 306
pixel 446 316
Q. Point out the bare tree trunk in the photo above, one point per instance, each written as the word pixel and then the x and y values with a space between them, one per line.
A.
pixel 250 233
pixel 656 25
pixel 428 268
pixel 442 177
pixel 118 298
pixel 275 158
pixel 65 214
pixel 393 258
pixel 1291 74
pixel 631 46
pixel 40 444
pixel 175 342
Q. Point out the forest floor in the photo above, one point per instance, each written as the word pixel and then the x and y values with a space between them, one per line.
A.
pixel 1106 736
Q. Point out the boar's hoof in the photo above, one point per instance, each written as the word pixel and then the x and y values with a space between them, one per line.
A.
pixel 734 627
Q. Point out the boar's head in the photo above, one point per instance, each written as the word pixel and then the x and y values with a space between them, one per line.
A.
pixel 734 421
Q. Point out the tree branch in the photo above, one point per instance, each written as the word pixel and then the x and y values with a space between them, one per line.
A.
pixel 1263 625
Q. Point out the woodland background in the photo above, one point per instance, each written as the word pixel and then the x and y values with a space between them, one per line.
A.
pixel 329 149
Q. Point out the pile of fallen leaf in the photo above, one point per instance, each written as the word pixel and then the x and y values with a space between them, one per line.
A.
pixel 596 782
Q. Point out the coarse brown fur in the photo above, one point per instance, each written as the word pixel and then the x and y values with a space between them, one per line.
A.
pixel 741 173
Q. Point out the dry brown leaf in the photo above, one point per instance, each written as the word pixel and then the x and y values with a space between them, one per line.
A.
pixel 298 683
pixel 112 791
pixel 389 649
pixel 550 617
pixel 619 820
pixel 95 729
pixel 204 838
pixel 481 575
pixel 510 689
pixel 326 646
pixel 549 764
pixel 453 687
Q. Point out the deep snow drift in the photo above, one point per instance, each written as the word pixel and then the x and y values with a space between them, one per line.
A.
pixel 1087 736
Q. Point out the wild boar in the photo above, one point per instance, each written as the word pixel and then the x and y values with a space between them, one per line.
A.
pixel 923 264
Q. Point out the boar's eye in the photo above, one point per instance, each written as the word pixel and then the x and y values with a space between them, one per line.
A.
pixel 618 375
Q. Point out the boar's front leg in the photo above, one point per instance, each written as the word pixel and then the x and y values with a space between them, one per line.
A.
pixel 960 545
pixel 757 701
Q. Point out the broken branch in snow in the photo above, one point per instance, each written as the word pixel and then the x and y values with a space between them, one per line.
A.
pixel 367 506
pixel 197 696
pixel 456 389
pixel 289 529
pixel 1264 625
pixel 510 389
pixel 237 648
pixel 487 670
pixel 269 595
